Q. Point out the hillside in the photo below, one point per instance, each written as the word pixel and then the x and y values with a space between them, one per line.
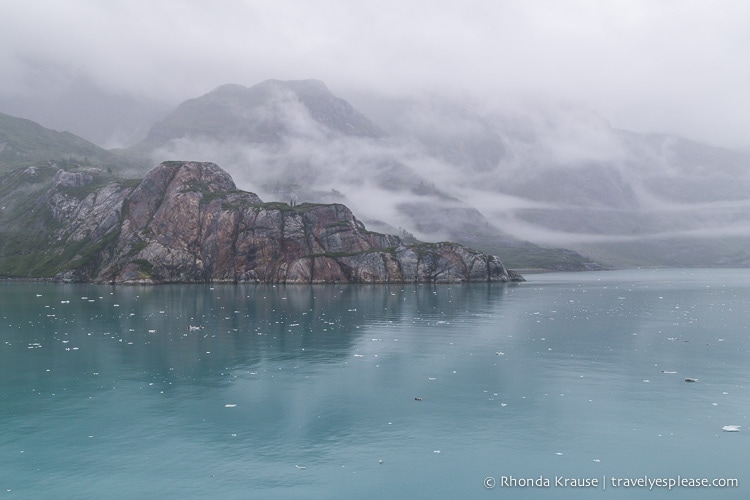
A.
pixel 545 186
pixel 26 143
pixel 295 140
pixel 186 222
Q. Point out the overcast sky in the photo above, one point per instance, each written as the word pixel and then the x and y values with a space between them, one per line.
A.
pixel 675 66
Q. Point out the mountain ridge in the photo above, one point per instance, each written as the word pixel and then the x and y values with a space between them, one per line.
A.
pixel 24 142
pixel 232 111
pixel 186 222
pixel 296 140
pixel 490 178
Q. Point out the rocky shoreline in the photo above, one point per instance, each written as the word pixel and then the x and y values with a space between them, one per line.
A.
pixel 186 222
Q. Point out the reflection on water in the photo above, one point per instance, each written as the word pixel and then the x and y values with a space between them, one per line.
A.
pixel 191 332
pixel 371 391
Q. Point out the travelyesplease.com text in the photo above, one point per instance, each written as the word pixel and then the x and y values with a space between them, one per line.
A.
pixel 605 481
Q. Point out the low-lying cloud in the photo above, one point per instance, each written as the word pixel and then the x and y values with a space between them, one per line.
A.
pixel 558 176
pixel 645 66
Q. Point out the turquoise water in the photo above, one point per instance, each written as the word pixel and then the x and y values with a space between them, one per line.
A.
pixel 309 391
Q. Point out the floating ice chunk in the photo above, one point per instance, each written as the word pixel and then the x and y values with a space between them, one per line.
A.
pixel 731 428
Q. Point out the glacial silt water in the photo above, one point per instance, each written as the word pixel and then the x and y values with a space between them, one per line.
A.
pixel 382 391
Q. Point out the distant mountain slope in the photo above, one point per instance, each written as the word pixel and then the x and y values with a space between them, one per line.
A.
pixel 516 179
pixel 24 143
pixel 296 140
pixel 266 113
pixel 560 175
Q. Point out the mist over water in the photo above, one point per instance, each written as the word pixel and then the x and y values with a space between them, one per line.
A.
pixel 236 391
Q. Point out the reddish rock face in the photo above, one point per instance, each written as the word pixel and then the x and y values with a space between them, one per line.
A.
pixel 186 222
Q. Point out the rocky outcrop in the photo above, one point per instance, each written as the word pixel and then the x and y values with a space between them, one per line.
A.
pixel 187 222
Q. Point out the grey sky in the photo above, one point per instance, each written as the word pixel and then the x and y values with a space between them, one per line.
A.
pixel 675 66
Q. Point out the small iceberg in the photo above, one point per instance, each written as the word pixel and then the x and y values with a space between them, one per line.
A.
pixel 731 428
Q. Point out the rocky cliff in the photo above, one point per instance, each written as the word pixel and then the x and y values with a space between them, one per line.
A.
pixel 187 222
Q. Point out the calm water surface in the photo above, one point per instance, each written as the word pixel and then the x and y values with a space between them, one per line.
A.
pixel 309 391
